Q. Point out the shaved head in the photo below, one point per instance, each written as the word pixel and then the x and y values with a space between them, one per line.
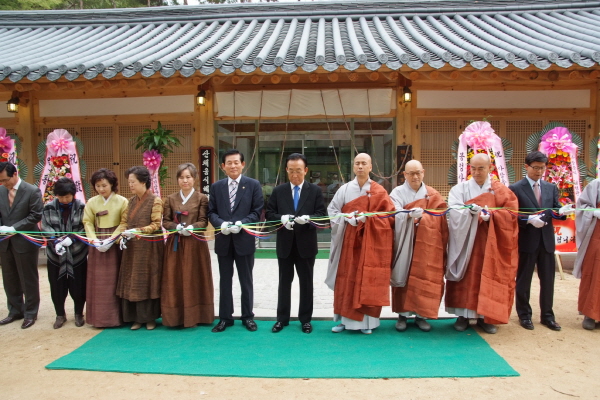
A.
pixel 481 166
pixel 413 165
pixel 362 167
pixel 414 174
pixel 481 157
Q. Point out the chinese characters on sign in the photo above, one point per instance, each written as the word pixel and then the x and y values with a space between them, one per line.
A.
pixel 206 168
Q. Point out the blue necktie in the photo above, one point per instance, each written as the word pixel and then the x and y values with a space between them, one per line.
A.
pixel 296 197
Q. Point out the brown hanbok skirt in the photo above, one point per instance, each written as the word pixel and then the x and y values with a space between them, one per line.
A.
pixel 187 296
pixel 103 307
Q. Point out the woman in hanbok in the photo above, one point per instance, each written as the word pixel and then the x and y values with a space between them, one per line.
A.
pixel 141 264
pixel 102 216
pixel 187 286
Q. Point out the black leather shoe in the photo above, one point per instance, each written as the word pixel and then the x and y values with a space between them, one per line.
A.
pixel 307 327
pixel 10 318
pixel 221 326
pixel 79 320
pixel 250 325
pixel 278 326
pixel 27 323
pixel 527 324
pixel 551 325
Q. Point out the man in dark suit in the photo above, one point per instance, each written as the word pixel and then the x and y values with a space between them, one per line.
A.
pixel 295 204
pixel 20 210
pixel 536 240
pixel 235 198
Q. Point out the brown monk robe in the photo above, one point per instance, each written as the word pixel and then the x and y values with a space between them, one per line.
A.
pixel 424 287
pixel 489 282
pixel 363 276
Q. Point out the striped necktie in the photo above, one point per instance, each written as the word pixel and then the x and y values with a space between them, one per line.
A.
pixel 232 193
pixel 11 196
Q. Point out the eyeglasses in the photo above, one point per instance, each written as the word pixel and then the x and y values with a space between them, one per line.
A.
pixel 295 171
pixel 415 173
pixel 4 180
pixel 537 169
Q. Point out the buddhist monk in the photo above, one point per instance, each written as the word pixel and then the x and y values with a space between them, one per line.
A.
pixel 420 250
pixel 482 249
pixel 361 250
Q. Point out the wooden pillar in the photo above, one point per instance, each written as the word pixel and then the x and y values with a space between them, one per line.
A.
pixel 26 132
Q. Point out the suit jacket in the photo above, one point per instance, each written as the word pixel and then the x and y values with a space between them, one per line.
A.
pixel 24 215
pixel 247 208
pixel 530 236
pixel 310 203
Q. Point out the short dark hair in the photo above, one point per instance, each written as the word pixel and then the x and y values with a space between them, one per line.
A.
pixel 231 152
pixel 107 174
pixel 141 174
pixel 296 156
pixel 9 167
pixel 64 186
pixel 536 156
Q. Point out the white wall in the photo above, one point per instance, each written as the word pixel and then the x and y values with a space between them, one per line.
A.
pixel 502 99
pixel 116 106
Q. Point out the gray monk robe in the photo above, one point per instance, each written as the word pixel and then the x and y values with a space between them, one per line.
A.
pixel 587 263
pixel 419 253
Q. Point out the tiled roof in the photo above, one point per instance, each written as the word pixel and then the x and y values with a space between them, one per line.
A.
pixel 292 36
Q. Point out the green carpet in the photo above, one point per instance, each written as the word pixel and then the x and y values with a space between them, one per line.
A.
pixel 443 352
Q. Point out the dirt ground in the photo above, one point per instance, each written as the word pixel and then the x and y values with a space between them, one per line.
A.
pixel 553 365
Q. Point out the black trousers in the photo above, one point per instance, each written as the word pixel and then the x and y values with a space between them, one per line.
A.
pixel 546 273
pixel 21 280
pixel 305 270
pixel 244 265
pixel 75 286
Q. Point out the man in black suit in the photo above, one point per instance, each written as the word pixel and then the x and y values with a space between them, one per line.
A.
pixel 235 198
pixel 295 204
pixel 20 211
pixel 536 239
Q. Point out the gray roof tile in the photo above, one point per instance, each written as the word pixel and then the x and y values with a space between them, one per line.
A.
pixel 288 36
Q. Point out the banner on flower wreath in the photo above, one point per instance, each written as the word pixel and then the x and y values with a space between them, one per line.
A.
pixel 8 149
pixel 152 160
pixel 61 161
pixel 480 137
pixel 563 171
pixel 598 160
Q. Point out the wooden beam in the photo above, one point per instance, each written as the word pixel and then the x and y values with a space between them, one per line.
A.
pixel 217 80
pixel 275 79
pixel 333 77
pixel 434 75
pixel 123 83
pixel 314 78
pixel 36 86
pixel 236 79
pixel 353 76
pixel 22 87
pixel 256 79
pixel 107 84
pixel 414 76
pixel 374 76
pixel 294 78
pixel 553 76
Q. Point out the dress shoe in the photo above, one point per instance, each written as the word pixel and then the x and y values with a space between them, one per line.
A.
pixel 10 318
pixel 60 321
pixel 221 326
pixel 27 323
pixel 250 325
pixel 338 328
pixel 401 324
pixel 487 328
pixel 307 327
pixel 366 331
pixel 150 325
pixel 79 320
pixel 588 324
pixel 422 324
pixel 136 326
pixel 551 325
pixel 461 324
pixel 527 324
pixel 278 326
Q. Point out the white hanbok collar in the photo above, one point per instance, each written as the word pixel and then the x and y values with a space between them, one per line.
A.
pixel 184 199
pixel 109 197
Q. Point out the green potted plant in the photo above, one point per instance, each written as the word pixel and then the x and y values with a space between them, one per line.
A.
pixel 163 142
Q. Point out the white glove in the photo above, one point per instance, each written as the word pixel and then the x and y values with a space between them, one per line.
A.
pixel 187 231
pixel 66 242
pixel 416 213
pixel 302 220
pixel 104 245
pixel 475 209
pixel 536 221
pixel 123 243
pixel 285 221
pixel 485 215
pixel 225 228
pixel 59 249
pixel 7 230
pixel 129 233
pixel 361 218
pixel 179 227
pixel 566 210
pixel 235 229
pixel 597 213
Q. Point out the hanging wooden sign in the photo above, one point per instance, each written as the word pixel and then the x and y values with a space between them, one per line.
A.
pixel 205 161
